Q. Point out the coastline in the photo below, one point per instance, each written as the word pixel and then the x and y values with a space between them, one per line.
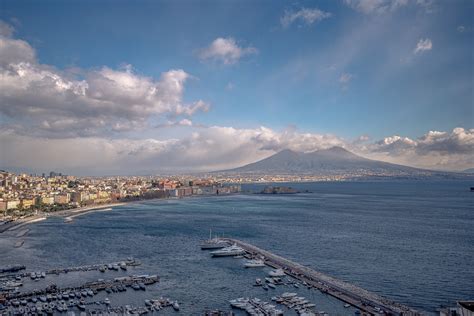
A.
pixel 65 213
pixel 85 209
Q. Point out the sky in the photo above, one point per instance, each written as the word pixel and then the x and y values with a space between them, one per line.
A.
pixel 142 87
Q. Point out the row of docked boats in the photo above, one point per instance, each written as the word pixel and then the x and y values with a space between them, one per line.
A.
pixel 37 275
pixel 158 304
pixel 298 303
pixel 256 307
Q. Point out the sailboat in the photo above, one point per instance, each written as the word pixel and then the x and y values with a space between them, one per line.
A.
pixel 213 243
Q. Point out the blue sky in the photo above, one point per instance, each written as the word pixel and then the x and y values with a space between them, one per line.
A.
pixel 346 68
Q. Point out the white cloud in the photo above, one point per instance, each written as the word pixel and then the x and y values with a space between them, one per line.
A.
pixel 39 98
pixel 226 50
pixel 218 147
pixel 307 16
pixel 438 150
pixel 423 45
pixel 375 6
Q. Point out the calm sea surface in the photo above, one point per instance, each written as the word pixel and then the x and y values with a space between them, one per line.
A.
pixel 410 241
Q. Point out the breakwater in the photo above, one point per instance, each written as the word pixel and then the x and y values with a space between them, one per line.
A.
pixel 360 298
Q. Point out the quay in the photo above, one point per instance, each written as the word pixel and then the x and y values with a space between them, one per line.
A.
pixel 360 298
pixel 130 262
pixel 94 286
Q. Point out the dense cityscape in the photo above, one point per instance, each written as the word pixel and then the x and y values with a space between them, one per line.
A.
pixel 23 195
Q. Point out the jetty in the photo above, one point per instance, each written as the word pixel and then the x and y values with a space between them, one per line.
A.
pixel 100 285
pixel 103 267
pixel 364 300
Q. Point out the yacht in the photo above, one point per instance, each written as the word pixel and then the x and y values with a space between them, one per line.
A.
pixel 277 273
pixel 233 250
pixel 255 263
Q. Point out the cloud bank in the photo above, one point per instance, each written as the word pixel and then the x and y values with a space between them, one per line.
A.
pixel 218 147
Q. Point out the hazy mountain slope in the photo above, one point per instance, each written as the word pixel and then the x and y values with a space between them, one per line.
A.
pixel 332 160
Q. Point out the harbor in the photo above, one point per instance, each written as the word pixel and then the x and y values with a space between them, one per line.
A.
pixel 122 265
pixel 367 302
pixel 53 300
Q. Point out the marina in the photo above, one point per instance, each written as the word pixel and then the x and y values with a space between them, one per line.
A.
pixel 42 274
pixel 362 299
pixel 52 299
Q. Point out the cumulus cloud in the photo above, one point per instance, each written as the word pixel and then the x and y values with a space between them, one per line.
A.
pixel 458 141
pixel 226 50
pixel 306 16
pixel 439 150
pixel 43 99
pixel 423 45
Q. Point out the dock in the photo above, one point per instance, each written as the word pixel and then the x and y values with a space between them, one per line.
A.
pixel 366 301
pixel 126 281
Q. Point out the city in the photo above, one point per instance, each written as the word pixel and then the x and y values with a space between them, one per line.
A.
pixel 231 158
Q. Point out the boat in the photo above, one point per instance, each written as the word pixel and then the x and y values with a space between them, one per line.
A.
pixel 271 285
pixel 233 250
pixel 13 284
pixel 176 306
pixel 276 273
pixel 106 301
pixel 255 263
pixel 213 243
pixel 347 305
pixel 288 295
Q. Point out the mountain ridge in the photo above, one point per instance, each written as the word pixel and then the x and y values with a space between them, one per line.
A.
pixel 325 161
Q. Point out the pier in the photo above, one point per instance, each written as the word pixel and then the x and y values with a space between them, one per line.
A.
pixel 95 286
pixel 360 298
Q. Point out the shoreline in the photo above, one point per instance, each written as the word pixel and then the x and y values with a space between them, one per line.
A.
pixel 85 209
pixel 65 213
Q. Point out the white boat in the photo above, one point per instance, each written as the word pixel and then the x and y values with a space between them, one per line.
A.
pixel 176 306
pixel 213 243
pixel 255 263
pixel 277 273
pixel 288 295
pixel 233 250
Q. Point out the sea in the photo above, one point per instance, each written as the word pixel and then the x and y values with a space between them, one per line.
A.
pixel 410 241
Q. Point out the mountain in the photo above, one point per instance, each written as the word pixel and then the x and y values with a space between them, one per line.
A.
pixel 470 170
pixel 335 160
